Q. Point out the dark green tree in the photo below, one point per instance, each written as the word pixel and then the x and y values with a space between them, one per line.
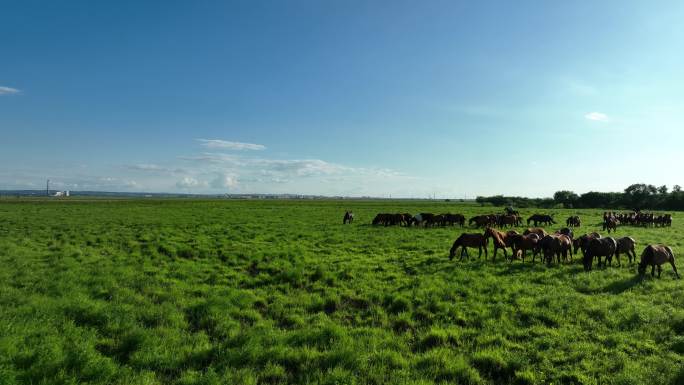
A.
pixel 567 198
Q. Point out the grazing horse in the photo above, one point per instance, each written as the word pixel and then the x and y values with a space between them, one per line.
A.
pixel 425 219
pixel 541 218
pixel 480 220
pixel 582 242
pixel 466 240
pixel 428 219
pixel 456 218
pixel 599 247
pixel 656 255
pixel 556 244
pixel 348 217
pixel 625 245
pixel 521 243
pixel 573 221
pixel 509 220
pixel 499 239
pixel 406 219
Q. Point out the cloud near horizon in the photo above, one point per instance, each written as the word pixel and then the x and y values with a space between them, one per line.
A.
pixel 8 90
pixel 228 145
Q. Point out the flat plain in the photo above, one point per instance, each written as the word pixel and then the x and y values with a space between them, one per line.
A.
pixel 280 292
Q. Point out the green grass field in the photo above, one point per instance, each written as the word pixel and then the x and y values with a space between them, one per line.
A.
pixel 269 292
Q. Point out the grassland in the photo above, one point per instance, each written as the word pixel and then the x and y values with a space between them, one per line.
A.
pixel 269 292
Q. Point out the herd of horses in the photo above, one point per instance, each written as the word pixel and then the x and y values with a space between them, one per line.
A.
pixel 422 219
pixel 559 246
pixel 563 245
pixel 448 219
pixel 638 218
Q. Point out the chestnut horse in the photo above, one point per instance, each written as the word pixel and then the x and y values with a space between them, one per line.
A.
pixel 499 239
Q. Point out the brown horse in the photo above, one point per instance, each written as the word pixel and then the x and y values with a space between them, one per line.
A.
pixel 535 230
pixel 610 223
pixel 555 244
pixel 581 242
pixel 656 255
pixel 480 220
pixel 573 221
pixel 543 219
pixel 499 239
pixel 599 247
pixel 521 243
pixel 466 240
pixel 509 237
pixel 509 220
pixel 625 245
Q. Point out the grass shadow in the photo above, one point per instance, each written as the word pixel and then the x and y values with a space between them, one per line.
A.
pixel 619 287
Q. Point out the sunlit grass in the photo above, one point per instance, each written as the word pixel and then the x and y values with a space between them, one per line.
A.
pixel 243 292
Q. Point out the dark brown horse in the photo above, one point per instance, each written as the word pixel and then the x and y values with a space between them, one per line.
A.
pixel 543 219
pixel 610 223
pixel 555 244
pixel 573 221
pixel 481 220
pixel 581 242
pixel 466 240
pixel 625 245
pixel 509 237
pixel 599 247
pixel 656 255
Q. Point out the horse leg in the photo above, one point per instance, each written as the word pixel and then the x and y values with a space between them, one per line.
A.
pixel 660 269
pixel 674 268
pixel 652 270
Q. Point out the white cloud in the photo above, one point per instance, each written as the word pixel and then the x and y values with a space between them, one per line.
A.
pixel 190 182
pixel 8 90
pixel 596 116
pixel 224 181
pixel 224 144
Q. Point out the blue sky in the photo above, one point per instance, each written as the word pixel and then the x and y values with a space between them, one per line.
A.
pixel 342 97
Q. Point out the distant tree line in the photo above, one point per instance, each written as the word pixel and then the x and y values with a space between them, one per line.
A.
pixel 637 196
